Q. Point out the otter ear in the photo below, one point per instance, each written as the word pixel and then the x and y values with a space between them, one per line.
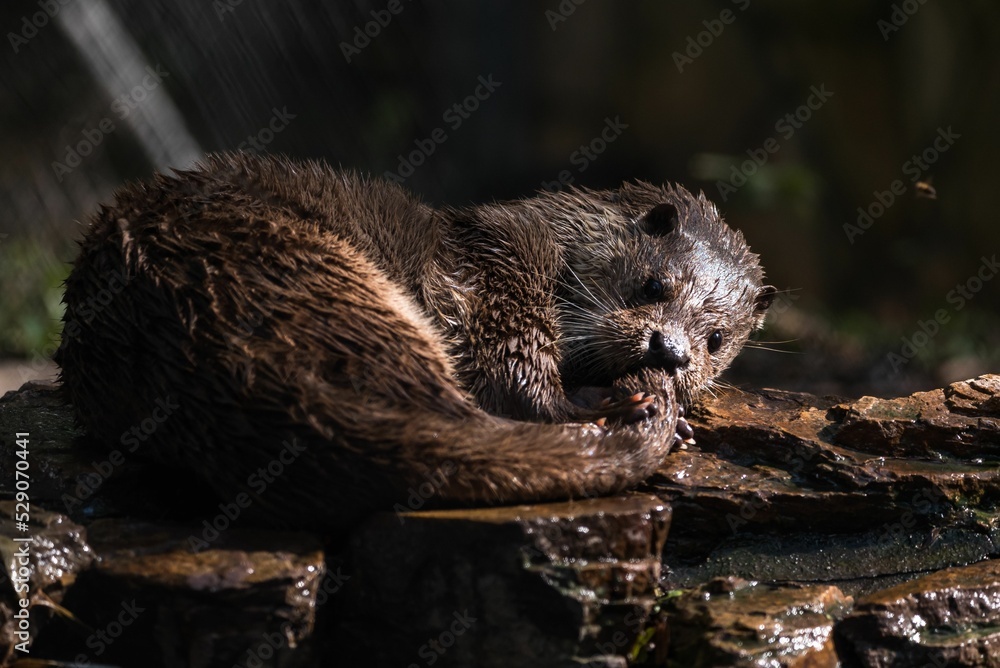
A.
pixel 765 295
pixel 661 220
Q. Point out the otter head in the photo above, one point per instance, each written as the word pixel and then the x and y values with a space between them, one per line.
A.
pixel 659 281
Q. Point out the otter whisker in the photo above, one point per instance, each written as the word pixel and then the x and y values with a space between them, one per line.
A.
pixel 587 292
pixel 775 350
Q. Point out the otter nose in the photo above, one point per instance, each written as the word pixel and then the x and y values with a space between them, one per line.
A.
pixel 666 354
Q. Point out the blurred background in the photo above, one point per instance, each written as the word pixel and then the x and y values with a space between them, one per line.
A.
pixel 854 143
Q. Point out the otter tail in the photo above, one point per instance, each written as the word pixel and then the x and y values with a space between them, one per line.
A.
pixel 490 460
pixel 411 458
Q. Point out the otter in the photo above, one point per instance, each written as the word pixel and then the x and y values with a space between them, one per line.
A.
pixel 327 344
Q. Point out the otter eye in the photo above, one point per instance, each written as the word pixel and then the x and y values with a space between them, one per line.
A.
pixel 714 341
pixel 653 289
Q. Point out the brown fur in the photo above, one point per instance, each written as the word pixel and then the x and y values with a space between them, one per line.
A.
pixel 397 345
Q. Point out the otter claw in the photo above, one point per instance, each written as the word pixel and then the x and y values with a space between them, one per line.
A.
pixel 684 429
pixel 684 434
pixel 643 407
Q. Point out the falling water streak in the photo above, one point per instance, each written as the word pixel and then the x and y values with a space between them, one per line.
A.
pixel 118 65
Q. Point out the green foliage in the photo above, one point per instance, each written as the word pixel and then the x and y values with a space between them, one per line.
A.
pixel 31 275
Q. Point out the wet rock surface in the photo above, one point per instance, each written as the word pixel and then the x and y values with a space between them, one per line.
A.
pixel 39 572
pixel 745 549
pixel 246 592
pixel 732 622
pixel 947 618
pixel 785 487
pixel 556 584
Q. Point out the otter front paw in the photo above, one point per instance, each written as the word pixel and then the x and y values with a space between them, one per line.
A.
pixel 597 404
pixel 640 406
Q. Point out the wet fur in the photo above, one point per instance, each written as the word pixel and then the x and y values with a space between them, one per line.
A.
pixel 396 345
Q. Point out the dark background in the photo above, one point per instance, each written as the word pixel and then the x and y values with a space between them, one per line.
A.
pixel 694 112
